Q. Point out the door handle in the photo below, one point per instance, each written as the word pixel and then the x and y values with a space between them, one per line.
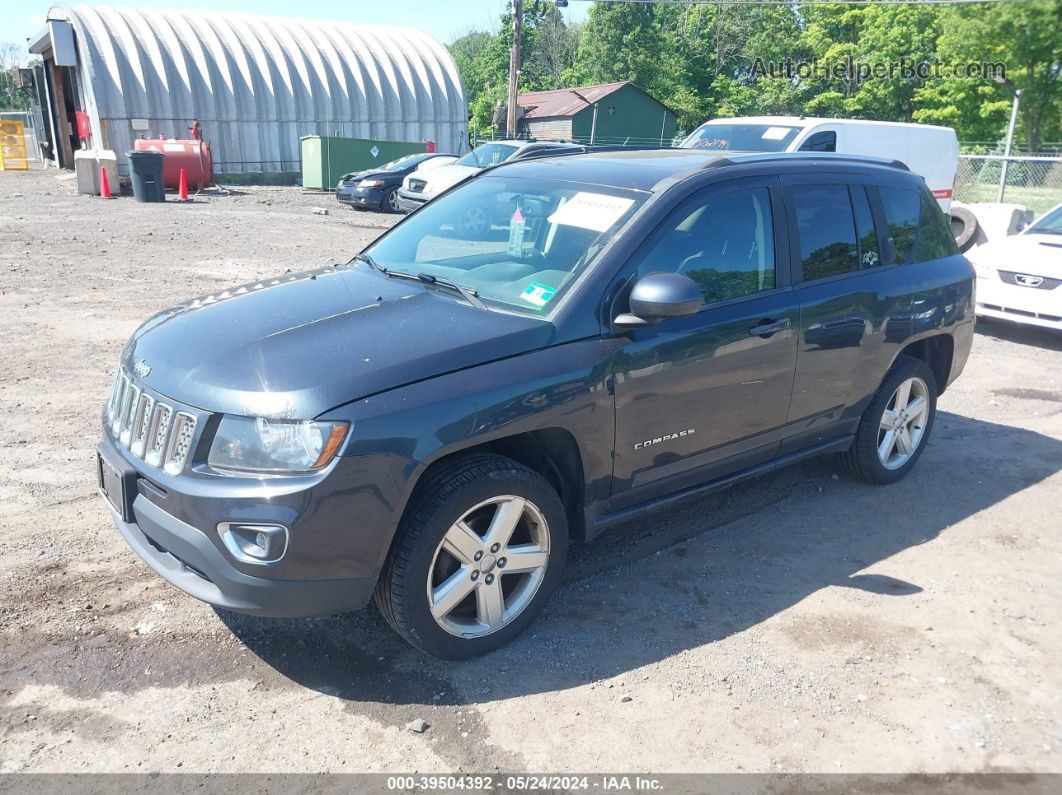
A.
pixel 769 327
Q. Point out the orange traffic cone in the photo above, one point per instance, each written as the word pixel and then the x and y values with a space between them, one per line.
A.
pixel 182 188
pixel 105 185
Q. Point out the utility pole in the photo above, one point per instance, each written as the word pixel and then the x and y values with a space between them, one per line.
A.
pixel 1007 146
pixel 514 67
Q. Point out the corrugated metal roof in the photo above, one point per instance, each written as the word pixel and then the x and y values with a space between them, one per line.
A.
pixel 259 83
pixel 564 101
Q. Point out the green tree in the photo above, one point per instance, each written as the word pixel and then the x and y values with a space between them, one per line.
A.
pixel 1026 36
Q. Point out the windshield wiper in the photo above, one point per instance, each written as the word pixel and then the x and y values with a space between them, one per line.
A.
pixel 470 295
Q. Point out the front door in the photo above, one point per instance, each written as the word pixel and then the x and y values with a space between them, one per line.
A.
pixel 699 397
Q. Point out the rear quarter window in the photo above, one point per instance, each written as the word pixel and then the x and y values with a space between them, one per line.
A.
pixel 902 207
pixel 935 240
pixel 918 228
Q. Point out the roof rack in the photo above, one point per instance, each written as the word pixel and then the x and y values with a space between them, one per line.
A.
pixel 762 157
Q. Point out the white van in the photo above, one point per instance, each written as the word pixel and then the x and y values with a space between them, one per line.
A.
pixel 929 151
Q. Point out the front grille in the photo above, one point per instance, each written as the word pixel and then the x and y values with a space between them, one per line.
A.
pixel 1047 283
pixel 150 428
pixel 417 185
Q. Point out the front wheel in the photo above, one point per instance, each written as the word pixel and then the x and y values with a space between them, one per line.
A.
pixel 896 425
pixel 478 554
pixel 390 202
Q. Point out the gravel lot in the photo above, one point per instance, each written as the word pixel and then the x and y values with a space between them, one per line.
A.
pixel 797 622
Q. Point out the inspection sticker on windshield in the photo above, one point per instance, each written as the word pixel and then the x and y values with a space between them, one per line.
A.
pixel 538 294
pixel 596 211
pixel 775 133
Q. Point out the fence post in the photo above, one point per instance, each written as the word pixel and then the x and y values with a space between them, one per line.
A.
pixel 1006 149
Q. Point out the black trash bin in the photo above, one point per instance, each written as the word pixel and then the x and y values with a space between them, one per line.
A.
pixel 145 172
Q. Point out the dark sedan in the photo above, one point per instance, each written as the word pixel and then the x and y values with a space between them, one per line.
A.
pixel 377 188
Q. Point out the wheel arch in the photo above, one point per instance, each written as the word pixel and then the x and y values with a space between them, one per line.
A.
pixel 551 452
pixel 938 352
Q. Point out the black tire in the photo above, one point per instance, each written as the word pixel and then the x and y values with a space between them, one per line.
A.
pixel 963 226
pixel 438 502
pixel 863 460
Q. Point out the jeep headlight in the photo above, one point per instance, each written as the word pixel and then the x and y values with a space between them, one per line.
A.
pixel 255 444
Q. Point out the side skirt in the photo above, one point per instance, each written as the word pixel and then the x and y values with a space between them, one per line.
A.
pixel 598 524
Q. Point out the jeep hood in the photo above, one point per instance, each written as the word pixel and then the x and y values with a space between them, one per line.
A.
pixel 300 344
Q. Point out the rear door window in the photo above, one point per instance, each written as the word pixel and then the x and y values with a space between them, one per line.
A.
pixel 869 255
pixel 827 231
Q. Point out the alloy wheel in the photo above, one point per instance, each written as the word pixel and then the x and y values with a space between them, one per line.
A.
pixel 392 201
pixel 903 423
pixel 488 566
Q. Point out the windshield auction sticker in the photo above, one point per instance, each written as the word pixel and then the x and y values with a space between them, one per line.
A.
pixel 538 294
pixel 596 211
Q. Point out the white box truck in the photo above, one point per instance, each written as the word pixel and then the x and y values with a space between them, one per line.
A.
pixel 929 151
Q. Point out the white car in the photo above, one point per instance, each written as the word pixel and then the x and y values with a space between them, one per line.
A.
pixel 931 152
pixel 1019 278
pixel 419 188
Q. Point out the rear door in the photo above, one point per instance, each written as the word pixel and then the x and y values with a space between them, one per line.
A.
pixel 854 304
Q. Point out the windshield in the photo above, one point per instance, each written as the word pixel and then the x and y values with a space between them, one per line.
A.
pixel 1050 224
pixel 516 242
pixel 741 137
pixel 487 155
pixel 405 162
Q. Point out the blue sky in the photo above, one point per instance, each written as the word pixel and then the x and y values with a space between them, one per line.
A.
pixel 444 19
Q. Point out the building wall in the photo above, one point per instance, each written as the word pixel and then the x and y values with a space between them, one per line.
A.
pixel 554 129
pixel 257 84
pixel 638 119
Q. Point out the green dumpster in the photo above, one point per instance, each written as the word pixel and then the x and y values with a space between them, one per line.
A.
pixel 327 158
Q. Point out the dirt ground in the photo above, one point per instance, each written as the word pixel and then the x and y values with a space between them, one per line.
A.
pixel 797 622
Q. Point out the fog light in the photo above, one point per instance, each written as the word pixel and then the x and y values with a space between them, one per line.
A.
pixel 254 543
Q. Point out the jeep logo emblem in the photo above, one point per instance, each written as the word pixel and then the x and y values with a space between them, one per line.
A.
pixel 142 369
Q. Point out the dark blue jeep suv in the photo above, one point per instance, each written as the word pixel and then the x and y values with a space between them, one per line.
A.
pixel 433 422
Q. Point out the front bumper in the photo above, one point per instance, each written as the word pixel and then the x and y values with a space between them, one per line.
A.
pixel 360 197
pixel 185 558
pixel 173 528
pixel 1017 304
pixel 408 202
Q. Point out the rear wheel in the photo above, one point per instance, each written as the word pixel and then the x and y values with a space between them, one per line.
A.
pixel 479 551
pixel 896 425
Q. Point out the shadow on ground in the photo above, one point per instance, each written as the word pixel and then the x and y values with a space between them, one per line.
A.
pixel 681 578
pixel 1020 334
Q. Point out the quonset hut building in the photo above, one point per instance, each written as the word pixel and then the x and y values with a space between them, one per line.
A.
pixel 256 84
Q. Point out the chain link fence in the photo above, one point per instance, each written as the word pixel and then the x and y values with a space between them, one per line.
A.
pixel 1034 181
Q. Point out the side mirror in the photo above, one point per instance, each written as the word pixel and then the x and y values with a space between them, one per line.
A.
pixel 658 296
